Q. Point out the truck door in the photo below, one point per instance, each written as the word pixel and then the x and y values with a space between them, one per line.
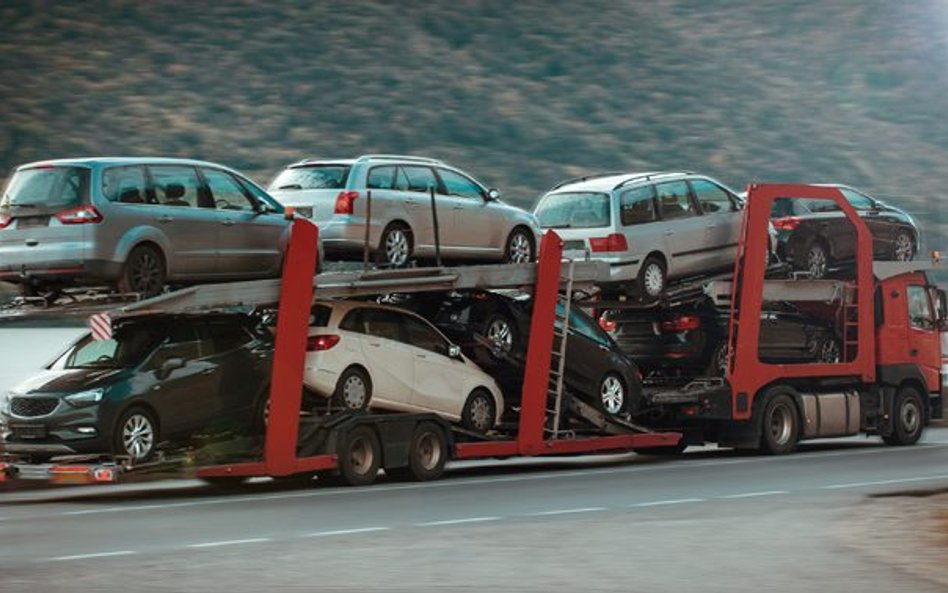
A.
pixel 924 339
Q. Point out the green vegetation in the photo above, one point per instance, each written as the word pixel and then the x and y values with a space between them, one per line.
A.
pixel 522 94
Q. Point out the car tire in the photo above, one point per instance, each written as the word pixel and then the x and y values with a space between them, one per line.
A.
pixel 652 278
pixel 717 365
pixel 501 330
pixel 908 416
pixel 135 435
pixel 480 411
pixel 427 454
pixel 144 272
pixel 816 260
pixel 780 425
pixel 828 351
pixel 360 456
pixel 613 398
pixel 520 247
pixel 395 246
pixel 353 389
pixel 903 248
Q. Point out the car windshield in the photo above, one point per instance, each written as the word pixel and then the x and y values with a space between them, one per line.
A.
pixel 48 187
pixel 127 347
pixel 574 210
pixel 312 177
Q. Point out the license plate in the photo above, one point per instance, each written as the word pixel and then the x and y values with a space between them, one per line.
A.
pixel 32 222
pixel 28 431
pixel 574 245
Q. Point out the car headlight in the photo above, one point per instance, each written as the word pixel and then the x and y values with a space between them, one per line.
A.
pixel 85 398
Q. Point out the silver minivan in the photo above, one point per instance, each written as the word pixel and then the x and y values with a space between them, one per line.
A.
pixel 650 227
pixel 473 222
pixel 136 223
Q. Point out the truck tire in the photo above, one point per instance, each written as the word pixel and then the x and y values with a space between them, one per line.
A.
pixel 779 425
pixel 427 454
pixel 908 417
pixel 360 456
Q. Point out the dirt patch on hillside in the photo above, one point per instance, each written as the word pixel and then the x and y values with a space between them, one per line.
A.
pixel 908 531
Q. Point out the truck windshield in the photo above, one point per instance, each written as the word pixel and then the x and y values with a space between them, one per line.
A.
pixel 312 177
pixel 127 347
pixel 47 187
pixel 574 210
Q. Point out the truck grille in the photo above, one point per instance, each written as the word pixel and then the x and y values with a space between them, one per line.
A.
pixel 29 407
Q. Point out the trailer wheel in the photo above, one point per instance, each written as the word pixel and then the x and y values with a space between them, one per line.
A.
pixel 353 390
pixel 360 457
pixel 427 454
pixel 780 426
pixel 908 416
pixel 479 411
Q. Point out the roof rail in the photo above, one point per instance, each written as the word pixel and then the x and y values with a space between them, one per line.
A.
pixel 398 157
pixel 649 176
pixel 586 178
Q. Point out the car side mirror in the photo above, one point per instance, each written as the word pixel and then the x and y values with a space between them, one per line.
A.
pixel 493 194
pixel 169 366
pixel 454 351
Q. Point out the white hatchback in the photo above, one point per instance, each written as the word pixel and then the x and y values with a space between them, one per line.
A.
pixel 362 355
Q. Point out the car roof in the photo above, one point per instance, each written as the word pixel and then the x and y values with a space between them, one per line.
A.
pixel 607 182
pixel 123 160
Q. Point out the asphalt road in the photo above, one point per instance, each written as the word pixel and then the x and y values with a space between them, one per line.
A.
pixel 710 521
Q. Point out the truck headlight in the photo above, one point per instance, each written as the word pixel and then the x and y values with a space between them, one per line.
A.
pixel 85 398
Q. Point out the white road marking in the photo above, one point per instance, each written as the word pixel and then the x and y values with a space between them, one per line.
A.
pixel 886 482
pixel 98 555
pixel 232 542
pixel 753 494
pixel 567 511
pixel 346 531
pixel 458 521
pixel 659 503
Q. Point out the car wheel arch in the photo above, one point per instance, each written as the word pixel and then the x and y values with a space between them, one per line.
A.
pixel 145 236
pixel 141 404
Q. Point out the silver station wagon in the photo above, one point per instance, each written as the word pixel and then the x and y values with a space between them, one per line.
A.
pixel 135 223
pixel 650 227
pixel 473 223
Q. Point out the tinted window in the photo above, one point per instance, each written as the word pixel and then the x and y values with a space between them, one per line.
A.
pixel 804 206
pixel 711 197
pixel 224 337
pixel 225 191
pixel 420 178
pixel 381 178
pixel 422 335
pixel 175 185
pixel 55 187
pixel 382 323
pixel 637 205
pixel 576 210
pixel 125 184
pixel 782 207
pixel 857 200
pixel 585 326
pixel 456 184
pixel 353 322
pixel 319 317
pixel 312 177
pixel 673 201
pixel 920 308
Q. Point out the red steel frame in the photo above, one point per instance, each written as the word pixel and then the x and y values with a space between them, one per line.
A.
pixel 746 374
pixel 296 296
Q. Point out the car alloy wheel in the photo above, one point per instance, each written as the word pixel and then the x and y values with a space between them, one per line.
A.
pixel 612 395
pixel 396 247
pixel 519 248
pixel 829 351
pixel 500 334
pixel 138 436
pixel 144 272
pixel 816 261
pixel 904 250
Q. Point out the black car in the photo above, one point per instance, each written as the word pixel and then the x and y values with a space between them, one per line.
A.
pixel 493 329
pixel 160 378
pixel 815 235
pixel 690 340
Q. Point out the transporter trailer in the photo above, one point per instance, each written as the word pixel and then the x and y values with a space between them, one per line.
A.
pixel 887 381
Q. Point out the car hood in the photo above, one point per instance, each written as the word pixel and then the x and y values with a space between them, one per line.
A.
pixel 65 381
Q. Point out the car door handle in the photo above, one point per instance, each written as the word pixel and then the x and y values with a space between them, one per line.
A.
pixel 375 344
pixel 165 218
pixel 421 356
pixel 227 222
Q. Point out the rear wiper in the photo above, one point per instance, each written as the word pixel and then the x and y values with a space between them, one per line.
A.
pixel 15 205
pixel 291 186
pixel 559 226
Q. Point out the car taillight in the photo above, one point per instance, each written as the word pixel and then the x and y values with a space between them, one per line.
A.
pixel 614 242
pixel 607 325
pixel 786 223
pixel 80 215
pixel 5 220
pixel 682 324
pixel 322 342
pixel 345 202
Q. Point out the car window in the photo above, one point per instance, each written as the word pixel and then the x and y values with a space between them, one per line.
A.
pixel 422 335
pixel 226 192
pixel 673 200
pixel 574 210
pixel 353 322
pixel 224 337
pixel 312 177
pixel 54 187
pixel 401 180
pixel 637 205
pixel 782 207
pixel 420 179
pixel 585 327
pixel 920 308
pixel 125 184
pixel 816 205
pixel 456 184
pixel 381 177
pixel 857 200
pixel 127 346
pixel 175 185
pixel 382 323
pixel 319 317
pixel 711 197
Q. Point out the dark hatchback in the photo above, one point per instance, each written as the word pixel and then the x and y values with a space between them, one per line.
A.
pixel 493 330
pixel 815 235
pixel 160 379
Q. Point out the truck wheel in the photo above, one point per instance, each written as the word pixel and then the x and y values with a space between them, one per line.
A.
pixel 908 416
pixel 427 454
pixel 780 426
pixel 480 411
pixel 360 457
pixel 353 390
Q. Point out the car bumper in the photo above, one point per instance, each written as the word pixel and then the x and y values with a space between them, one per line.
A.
pixel 64 432
pixel 69 270
pixel 345 235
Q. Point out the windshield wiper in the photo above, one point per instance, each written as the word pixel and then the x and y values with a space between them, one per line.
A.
pixel 565 225
pixel 291 186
